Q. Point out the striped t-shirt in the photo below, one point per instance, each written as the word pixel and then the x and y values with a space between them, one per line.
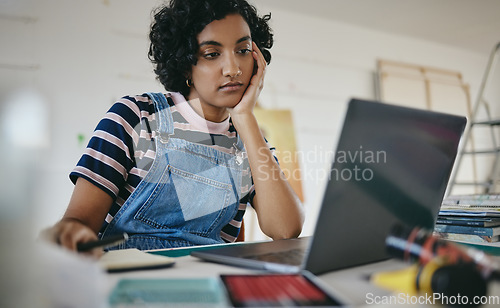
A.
pixel 122 150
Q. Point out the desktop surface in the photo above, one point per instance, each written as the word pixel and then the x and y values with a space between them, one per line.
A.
pixel 349 285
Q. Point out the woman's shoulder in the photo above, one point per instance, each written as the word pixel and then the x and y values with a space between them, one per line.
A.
pixel 130 110
pixel 144 102
pixel 139 104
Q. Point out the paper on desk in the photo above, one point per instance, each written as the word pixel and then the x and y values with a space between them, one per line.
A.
pixel 170 292
pixel 132 259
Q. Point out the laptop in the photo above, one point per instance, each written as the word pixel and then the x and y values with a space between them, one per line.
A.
pixel 391 166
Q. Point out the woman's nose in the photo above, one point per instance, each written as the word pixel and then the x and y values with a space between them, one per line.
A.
pixel 231 67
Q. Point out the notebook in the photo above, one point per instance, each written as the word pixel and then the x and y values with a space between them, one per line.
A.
pixel 132 259
pixel 392 165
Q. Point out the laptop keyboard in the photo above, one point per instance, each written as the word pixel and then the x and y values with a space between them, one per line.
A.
pixel 292 257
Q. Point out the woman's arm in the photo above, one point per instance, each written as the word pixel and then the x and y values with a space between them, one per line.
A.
pixel 277 206
pixel 83 218
pixel 111 145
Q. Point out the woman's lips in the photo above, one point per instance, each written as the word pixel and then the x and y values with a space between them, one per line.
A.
pixel 231 87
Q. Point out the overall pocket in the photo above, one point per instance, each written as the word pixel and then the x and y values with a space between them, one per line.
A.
pixel 185 201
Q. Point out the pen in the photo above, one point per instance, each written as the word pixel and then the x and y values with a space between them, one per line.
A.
pixel 106 242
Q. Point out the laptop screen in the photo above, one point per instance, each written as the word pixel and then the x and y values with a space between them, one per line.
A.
pixel 392 164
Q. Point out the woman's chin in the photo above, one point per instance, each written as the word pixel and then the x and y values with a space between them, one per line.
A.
pixel 232 101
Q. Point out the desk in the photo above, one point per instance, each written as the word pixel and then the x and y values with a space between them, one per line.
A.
pixel 350 283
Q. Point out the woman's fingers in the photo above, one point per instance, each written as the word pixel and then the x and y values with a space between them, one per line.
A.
pixel 255 86
pixel 68 233
pixel 261 65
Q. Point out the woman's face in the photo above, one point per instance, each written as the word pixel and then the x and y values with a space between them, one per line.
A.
pixel 225 63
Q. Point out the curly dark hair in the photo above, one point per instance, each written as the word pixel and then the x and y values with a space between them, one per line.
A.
pixel 174 46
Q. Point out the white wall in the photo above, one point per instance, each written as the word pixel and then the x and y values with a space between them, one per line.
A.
pixel 82 55
pixel 319 64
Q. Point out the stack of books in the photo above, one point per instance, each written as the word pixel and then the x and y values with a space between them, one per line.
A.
pixel 470 218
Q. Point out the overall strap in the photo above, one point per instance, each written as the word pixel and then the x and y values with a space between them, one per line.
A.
pixel 165 123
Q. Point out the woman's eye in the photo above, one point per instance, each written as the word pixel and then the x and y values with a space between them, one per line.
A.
pixel 210 55
pixel 245 51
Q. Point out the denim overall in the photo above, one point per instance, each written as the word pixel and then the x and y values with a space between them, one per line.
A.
pixel 189 194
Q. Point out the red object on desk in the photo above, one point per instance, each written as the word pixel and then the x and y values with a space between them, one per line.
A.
pixel 272 289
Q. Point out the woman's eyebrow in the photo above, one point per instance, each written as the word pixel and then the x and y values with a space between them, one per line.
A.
pixel 245 38
pixel 210 43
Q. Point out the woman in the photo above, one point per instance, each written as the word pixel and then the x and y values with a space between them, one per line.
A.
pixel 178 169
